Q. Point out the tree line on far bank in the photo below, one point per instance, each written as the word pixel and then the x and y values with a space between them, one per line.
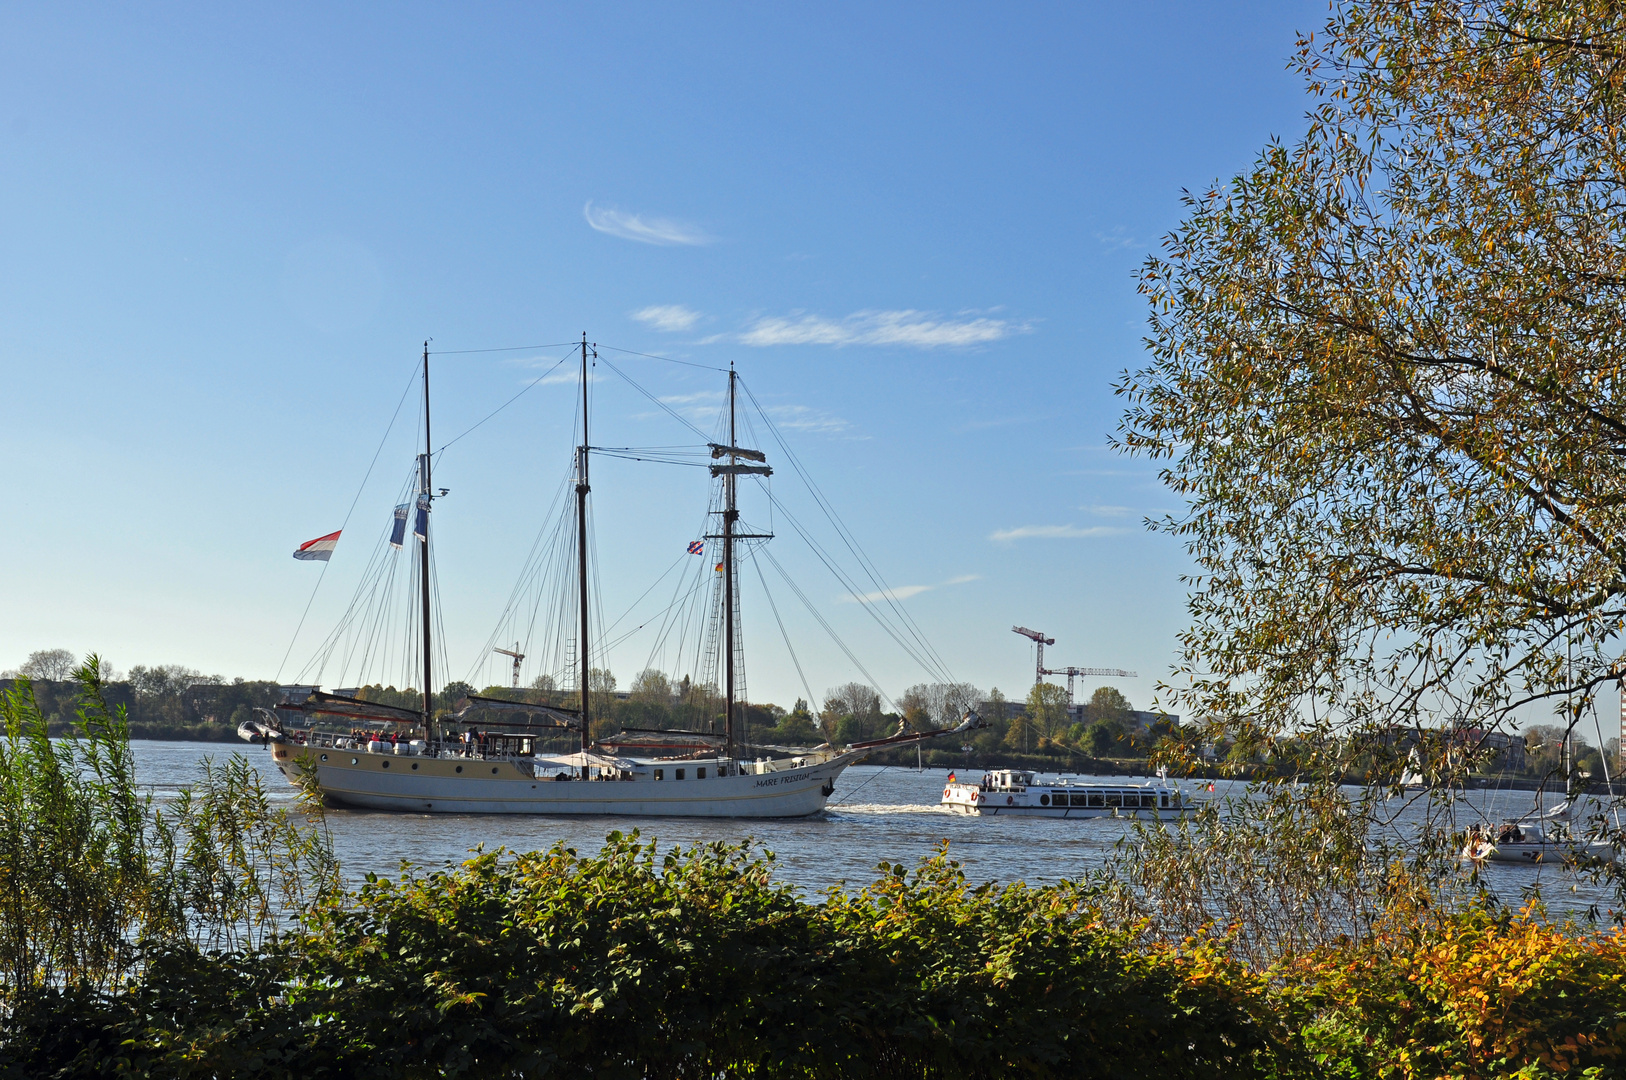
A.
pixel 172 701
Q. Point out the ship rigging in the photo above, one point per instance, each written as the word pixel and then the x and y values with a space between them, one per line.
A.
pixel 508 767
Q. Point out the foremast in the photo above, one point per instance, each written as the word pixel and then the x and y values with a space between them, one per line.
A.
pixel 582 488
pixel 424 496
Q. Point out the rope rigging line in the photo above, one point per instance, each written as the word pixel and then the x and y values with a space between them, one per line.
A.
pixel 800 595
pixel 506 348
pixel 782 633
pixel 668 359
pixel 363 487
pixel 873 776
pixel 941 669
pixel 505 404
pixel 365 594
pixel 936 672
pixel 604 452
pixel 673 413
pixel 535 566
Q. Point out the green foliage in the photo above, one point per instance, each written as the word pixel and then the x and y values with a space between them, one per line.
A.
pixel 1105 738
pixel 245 866
pixel 78 884
pixel 635 964
pixel 1107 703
pixel 93 874
pixel 1047 709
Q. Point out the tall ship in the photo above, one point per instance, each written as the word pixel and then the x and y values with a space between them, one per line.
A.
pixel 512 755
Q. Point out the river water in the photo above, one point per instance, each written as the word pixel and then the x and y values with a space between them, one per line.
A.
pixel 877 814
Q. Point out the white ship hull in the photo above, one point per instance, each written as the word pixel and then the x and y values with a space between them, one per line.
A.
pixel 463 785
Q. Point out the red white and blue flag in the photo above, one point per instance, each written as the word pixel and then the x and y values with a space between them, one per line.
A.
pixel 696 547
pixel 321 548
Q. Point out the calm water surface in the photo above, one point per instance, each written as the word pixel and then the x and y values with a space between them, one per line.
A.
pixel 876 815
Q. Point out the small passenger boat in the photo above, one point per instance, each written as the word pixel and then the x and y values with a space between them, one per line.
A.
pixel 1022 793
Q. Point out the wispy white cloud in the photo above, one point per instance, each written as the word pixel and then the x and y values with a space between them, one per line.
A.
pixel 1117 238
pixel 647 230
pixel 916 329
pixel 1054 532
pixel 904 592
pixel 672 318
pixel 700 408
pixel 1108 511
pixel 802 418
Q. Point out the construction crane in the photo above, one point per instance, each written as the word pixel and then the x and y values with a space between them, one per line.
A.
pixel 1040 671
pixel 1073 672
pixel 1040 641
pixel 518 656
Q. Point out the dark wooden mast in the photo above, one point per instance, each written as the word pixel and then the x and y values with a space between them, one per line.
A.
pixel 423 562
pixel 582 489
pixel 731 514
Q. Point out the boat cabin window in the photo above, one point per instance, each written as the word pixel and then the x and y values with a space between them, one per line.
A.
pixel 1095 798
pixel 1165 798
pixel 1148 800
pixel 700 774
pixel 680 774
pixel 660 774
pixel 1115 798
pixel 1080 799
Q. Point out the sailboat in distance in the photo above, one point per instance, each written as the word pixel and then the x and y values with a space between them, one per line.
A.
pixel 426 764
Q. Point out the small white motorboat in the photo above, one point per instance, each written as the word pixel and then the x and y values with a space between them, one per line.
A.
pixel 1525 841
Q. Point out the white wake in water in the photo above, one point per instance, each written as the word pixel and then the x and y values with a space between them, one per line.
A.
pixel 885 808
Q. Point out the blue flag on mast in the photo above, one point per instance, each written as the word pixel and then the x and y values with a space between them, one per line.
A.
pixel 398 533
pixel 421 528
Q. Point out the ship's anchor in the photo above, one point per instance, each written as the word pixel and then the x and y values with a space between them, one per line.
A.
pixel 828 789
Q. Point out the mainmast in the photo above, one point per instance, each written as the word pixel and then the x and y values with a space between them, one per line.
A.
pixel 731 514
pixel 582 489
pixel 423 562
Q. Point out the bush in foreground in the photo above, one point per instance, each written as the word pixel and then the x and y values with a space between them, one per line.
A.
pixel 634 964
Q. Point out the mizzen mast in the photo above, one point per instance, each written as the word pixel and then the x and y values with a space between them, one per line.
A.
pixel 731 516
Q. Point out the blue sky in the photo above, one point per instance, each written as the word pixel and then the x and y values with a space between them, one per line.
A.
pixel 226 230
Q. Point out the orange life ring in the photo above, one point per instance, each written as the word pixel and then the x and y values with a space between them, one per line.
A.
pixel 945 793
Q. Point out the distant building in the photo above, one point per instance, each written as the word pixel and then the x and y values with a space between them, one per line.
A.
pixel 1504 750
pixel 1136 721
pixel 1013 709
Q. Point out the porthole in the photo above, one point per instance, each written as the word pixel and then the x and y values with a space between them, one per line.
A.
pixel 700 774
pixel 460 768
pixel 414 764
pixel 680 774
pixel 353 761
pixel 324 757
pixel 494 770
pixel 1044 800
pixel 386 764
